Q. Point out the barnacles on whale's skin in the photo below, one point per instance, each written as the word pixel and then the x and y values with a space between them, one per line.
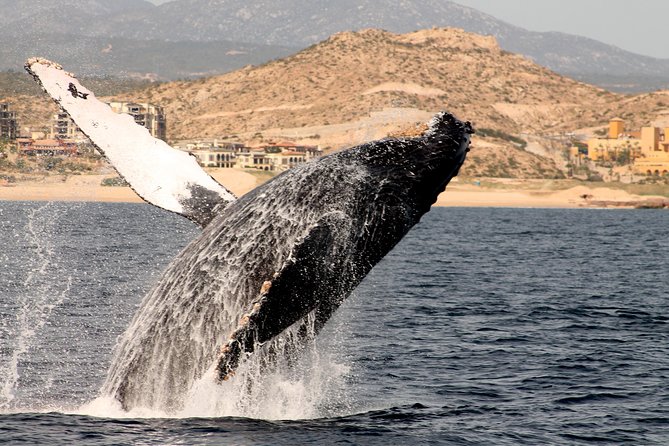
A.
pixel 419 129
pixel 414 131
pixel 265 287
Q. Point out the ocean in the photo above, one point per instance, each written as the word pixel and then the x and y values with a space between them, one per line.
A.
pixel 483 326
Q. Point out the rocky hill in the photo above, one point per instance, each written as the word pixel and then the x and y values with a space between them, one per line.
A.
pixel 72 32
pixel 358 86
pixel 136 59
pixel 303 22
pixel 355 75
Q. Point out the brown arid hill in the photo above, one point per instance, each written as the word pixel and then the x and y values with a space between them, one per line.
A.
pixel 648 109
pixel 357 86
pixel 352 75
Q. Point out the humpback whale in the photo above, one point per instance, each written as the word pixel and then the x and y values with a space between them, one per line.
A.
pixel 284 256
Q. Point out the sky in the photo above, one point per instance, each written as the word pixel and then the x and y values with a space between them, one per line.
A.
pixel 639 26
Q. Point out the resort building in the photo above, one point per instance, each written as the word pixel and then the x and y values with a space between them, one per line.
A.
pixel 309 152
pixel 213 153
pixel 46 147
pixel 277 157
pixel 147 115
pixel 615 143
pixel 8 124
pixel 272 157
pixel 648 149
pixel 62 127
pixel 654 157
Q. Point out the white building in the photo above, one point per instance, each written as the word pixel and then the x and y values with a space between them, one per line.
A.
pixel 147 115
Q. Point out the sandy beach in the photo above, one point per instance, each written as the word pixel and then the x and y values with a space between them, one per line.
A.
pixel 468 195
pixel 459 193
pixel 89 188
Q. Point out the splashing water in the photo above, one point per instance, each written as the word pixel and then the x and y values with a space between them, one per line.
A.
pixel 34 307
pixel 293 377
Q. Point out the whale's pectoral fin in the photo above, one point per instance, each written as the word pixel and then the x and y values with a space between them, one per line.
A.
pixel 292 293
pixel 165 177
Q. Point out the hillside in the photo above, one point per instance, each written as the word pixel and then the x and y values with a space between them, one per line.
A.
pixel 13 83
pixel 358 86
pixel 351 76
pixel 35 111
pixel 138 59
pixel 355 87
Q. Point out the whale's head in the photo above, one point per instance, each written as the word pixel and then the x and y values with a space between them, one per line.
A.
pixel 412 172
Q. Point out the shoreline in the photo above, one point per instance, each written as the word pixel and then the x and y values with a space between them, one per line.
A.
pixel 513 194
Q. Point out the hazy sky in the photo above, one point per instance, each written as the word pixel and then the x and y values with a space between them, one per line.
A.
pixel 635 25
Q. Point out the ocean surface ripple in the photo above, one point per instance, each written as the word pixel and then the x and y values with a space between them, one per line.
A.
pixel 484 326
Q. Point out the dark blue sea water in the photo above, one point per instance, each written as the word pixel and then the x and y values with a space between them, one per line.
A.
pixel 484 326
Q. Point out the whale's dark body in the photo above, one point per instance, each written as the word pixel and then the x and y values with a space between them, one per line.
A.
pixel 297 245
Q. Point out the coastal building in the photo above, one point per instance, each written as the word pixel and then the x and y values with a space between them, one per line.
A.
pixel 63 127
pixel 147 115
pixel 213 153
pixel 46 147
pixel 309 152
pixel 271 157
pixel 271 162
pixel 8 123
pixel 615 145
pixel 654 157
pixel 277 157
pixel 647 150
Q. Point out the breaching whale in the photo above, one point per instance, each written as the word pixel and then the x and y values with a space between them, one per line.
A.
pixel 286 254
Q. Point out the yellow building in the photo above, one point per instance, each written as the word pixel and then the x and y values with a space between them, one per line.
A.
pixel 616 142
pixel 616 128
pixel 649 149
pixel 654 157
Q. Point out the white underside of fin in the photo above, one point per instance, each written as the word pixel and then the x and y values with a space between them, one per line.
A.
pixel 163 176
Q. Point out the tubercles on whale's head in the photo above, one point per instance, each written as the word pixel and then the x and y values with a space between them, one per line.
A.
pixel 444 123
pixel 416 169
